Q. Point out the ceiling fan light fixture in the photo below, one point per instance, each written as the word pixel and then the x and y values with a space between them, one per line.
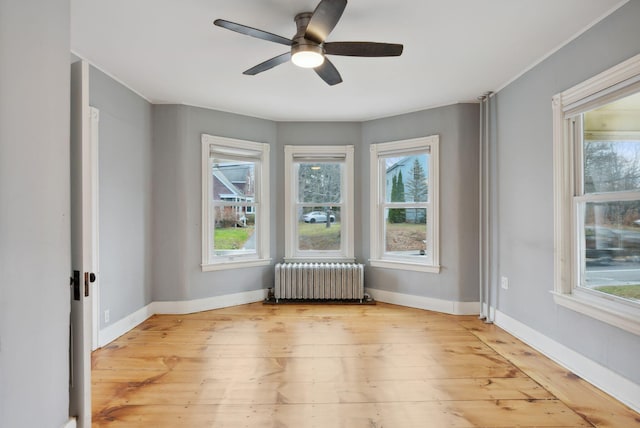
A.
pixel 309 45
pixel 307 56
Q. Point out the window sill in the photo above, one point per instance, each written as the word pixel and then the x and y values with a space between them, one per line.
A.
pixel 611 312
pixel 235 264
pixel 388 264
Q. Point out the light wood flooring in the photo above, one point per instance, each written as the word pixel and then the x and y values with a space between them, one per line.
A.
pixel 374 366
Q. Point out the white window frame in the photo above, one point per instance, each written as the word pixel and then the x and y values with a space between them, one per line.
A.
pixel 621 80
pixel 294 154
pixel 378 151
pixel 239 149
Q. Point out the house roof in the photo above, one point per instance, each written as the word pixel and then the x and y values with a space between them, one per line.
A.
pixel 405 161
pixel 224 181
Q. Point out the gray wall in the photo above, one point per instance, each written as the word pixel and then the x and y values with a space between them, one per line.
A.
pixel 177 197
pixel 124 197
pixel 177 205
pixel 34 215
pixel 525 193
pixel 457 126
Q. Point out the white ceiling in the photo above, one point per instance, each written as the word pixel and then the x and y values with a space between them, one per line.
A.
pixel 454 50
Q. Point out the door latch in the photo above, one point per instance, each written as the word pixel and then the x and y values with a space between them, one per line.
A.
pixel 89 277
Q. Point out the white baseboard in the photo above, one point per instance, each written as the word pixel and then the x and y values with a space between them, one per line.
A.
pixel 71 423
pixel 601 377
pixel 118 328
pixel 209 303
pixel 427 303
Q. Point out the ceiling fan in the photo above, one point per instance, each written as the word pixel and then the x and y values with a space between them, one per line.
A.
pixel 308 45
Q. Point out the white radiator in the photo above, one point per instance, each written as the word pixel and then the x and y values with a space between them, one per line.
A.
pixel 329 281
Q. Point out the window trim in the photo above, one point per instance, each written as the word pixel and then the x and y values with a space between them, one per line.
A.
pixel 258 152
pixel 377 203
pixel 619 80
pixel 294 153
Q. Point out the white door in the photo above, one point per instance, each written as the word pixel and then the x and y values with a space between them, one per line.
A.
pixel 82 231
pixel 95 219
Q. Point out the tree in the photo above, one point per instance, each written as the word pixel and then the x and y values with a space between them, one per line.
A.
pixel 319 183
pixel 611 166
pixel 400 190
pixel 397 215
pixel 417 183
pixel 394 187
pixel 417 189
pixel 394 192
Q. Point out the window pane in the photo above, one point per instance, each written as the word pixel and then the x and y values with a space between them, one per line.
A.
pixel 319 182
pixel 611 150
pixel 233 180
pixel 611 166
pixel 407 178
pixel 405 231
pixel 234 230
pixel 611 258
pixel 319 229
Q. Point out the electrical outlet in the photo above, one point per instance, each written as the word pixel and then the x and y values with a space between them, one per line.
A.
pixel 106 315
pixel 504 283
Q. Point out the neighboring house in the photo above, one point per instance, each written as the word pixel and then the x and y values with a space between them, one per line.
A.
pixel 234 182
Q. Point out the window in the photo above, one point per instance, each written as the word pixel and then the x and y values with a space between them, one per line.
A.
pixel 597 196
pixel 404 204
pixel 319 203
pixel 235 209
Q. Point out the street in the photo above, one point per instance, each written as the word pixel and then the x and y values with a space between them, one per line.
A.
pixel 616 273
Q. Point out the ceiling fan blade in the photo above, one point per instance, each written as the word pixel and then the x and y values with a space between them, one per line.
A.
pixel 253 32
pixel 328 72
pixel 324 19
pixel 268 64
pixel 369 49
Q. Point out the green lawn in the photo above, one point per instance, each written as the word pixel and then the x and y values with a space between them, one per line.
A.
pixel 317 236
pixel 625 291
pixel 231 238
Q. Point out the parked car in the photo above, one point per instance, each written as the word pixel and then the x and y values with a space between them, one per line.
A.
pixel 601 245
pixel 318 217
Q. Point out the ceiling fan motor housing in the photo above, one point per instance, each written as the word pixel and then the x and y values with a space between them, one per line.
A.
pixel 302 21
pixel 304 52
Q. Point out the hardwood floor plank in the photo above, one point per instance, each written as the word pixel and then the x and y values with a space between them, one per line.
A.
pixel 460 414
pixel 285 349
pixel 499 413
pixel 594 405
pixel 434 338
pixel 335 366
pixel 159 391
pixel 286 369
